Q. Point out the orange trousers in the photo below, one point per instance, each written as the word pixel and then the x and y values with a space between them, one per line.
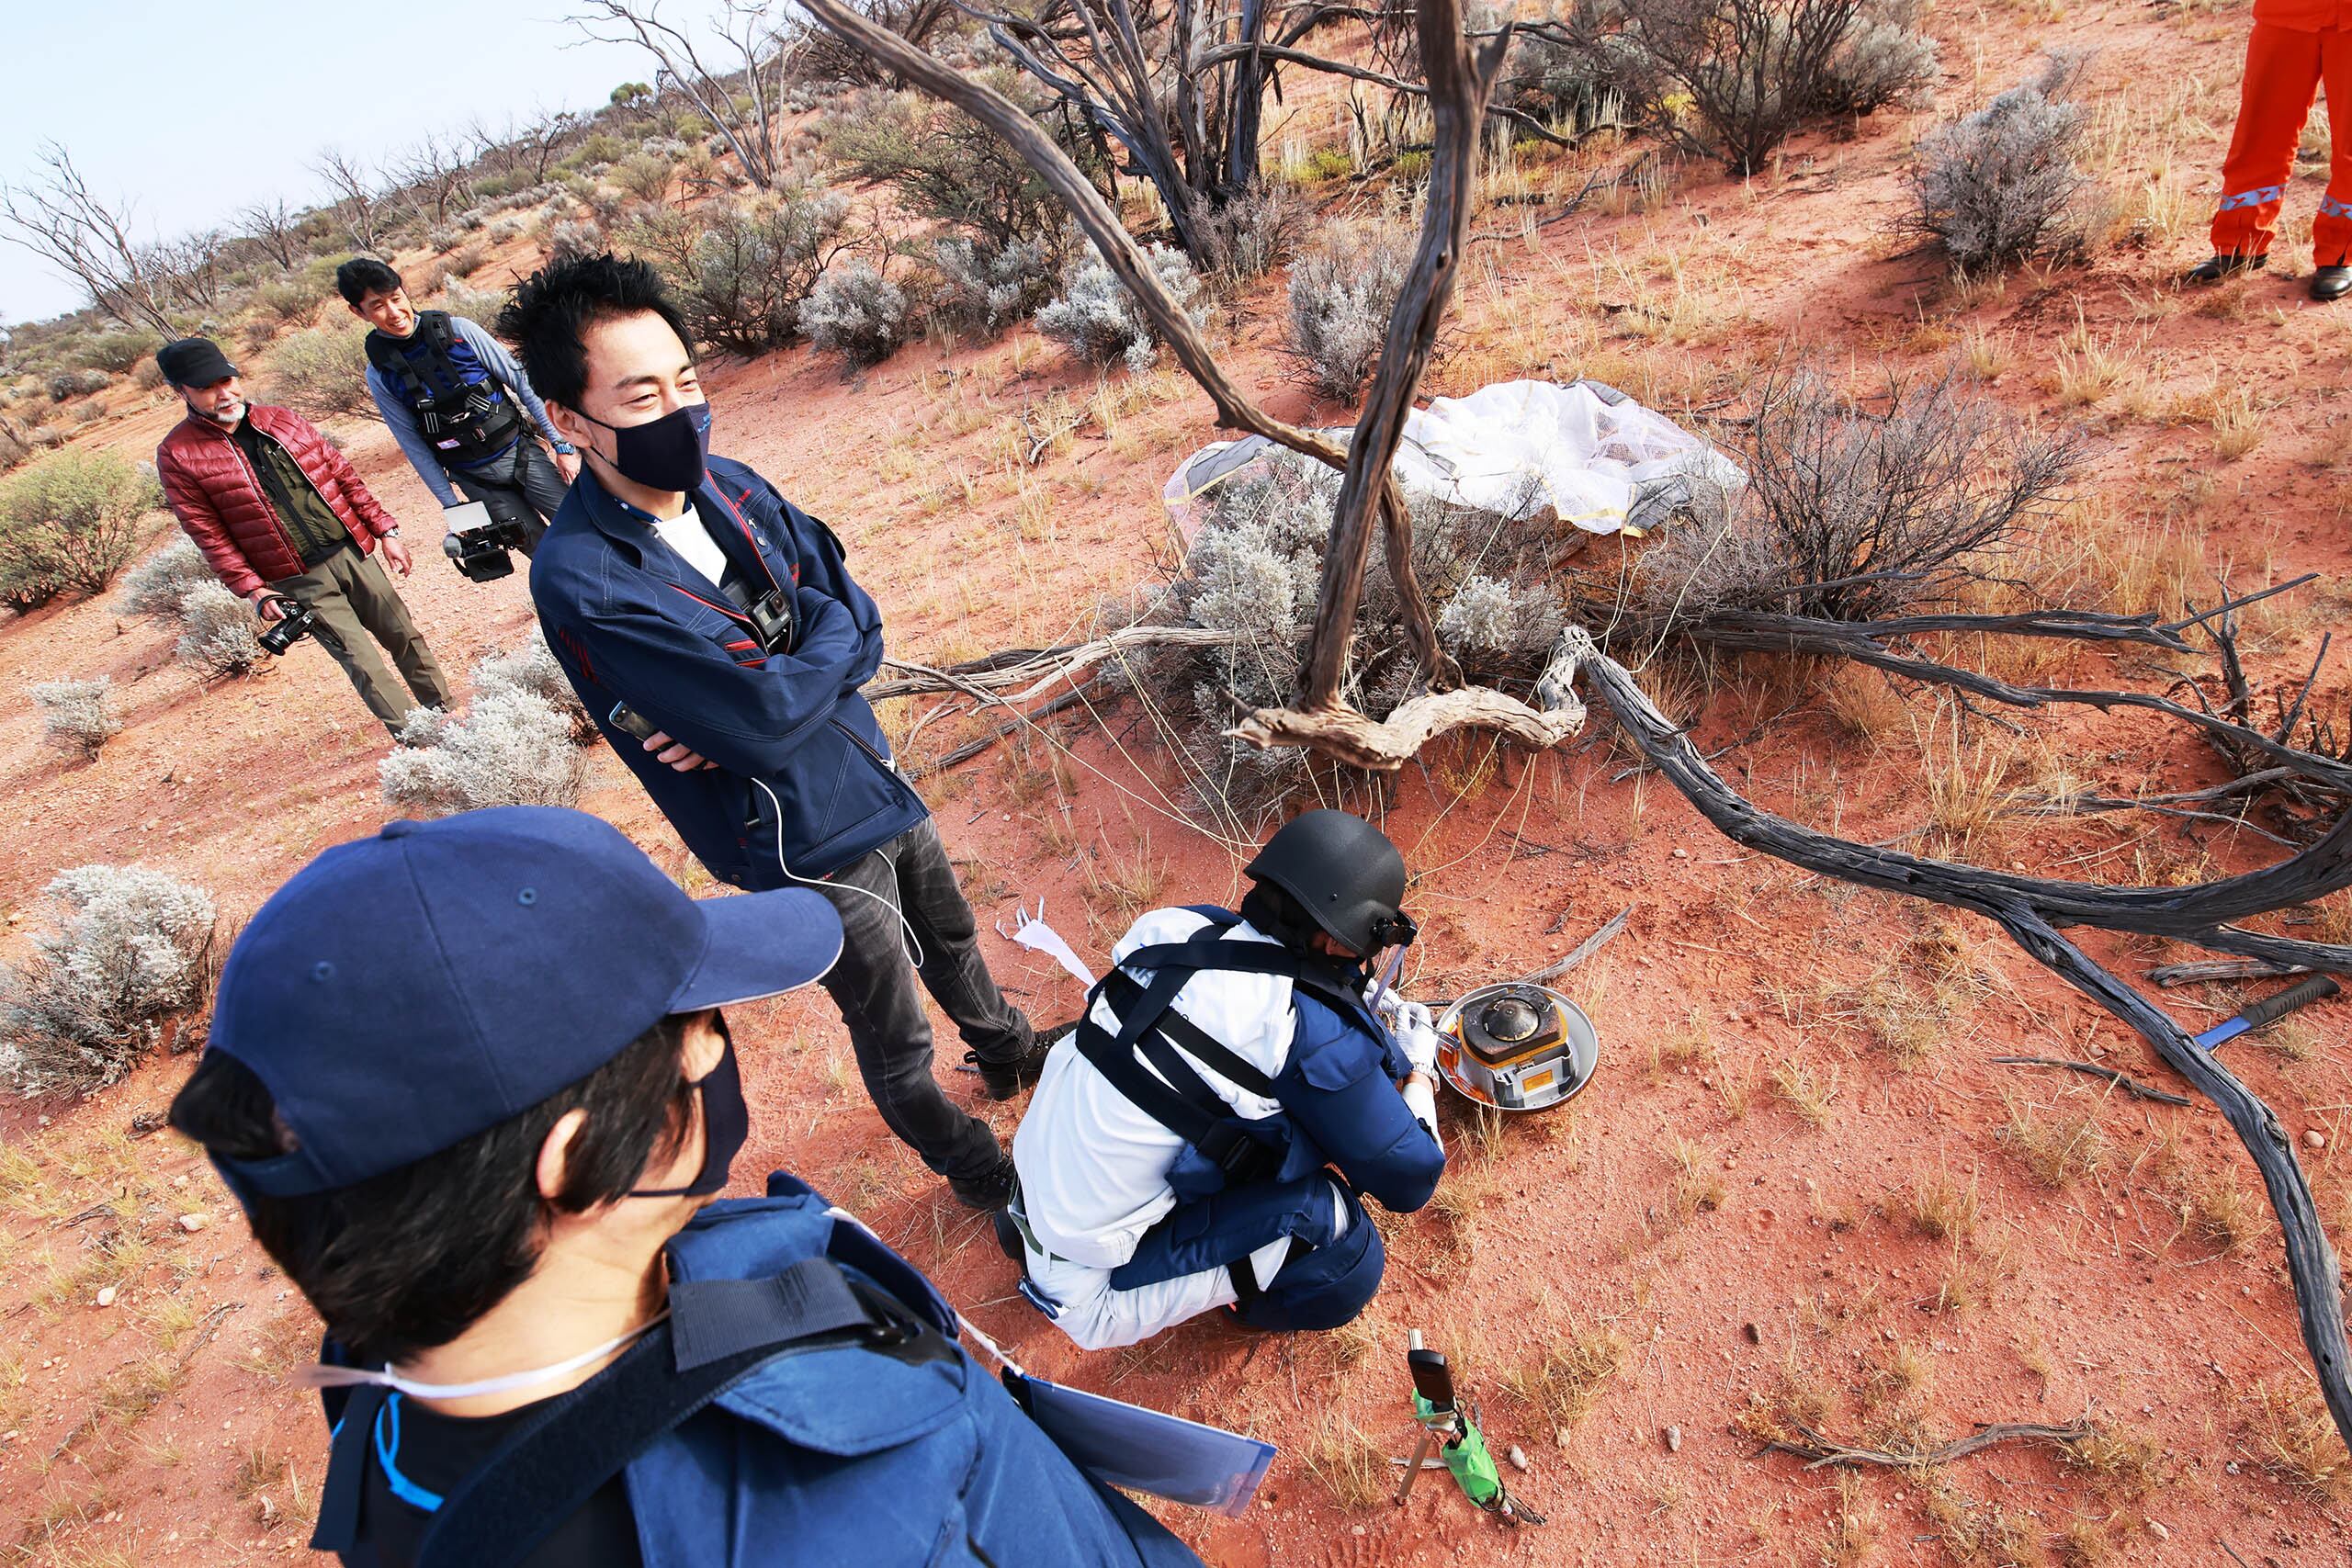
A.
pixel 2284 68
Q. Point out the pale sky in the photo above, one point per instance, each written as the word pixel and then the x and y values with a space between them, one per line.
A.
pixel 189 110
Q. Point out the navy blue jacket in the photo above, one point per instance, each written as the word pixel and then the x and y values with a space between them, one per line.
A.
pixel 847 1456
pixel 631 622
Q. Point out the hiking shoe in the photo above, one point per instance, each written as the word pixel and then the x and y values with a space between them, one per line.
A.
pixel 2212 269
pixel 1003 1080
pixel 990 1189
pixel 1008 1237
pixel 2330 282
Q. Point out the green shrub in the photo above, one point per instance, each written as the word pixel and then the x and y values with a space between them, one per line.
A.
pixel 117 352
pixel 322 372
pixel 65 385
pixel 944 165
pixel 644 175
pixel 739 270
pixel 71 523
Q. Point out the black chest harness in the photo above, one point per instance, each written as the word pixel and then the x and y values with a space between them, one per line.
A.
pixel 1171 1091
pixel 465 421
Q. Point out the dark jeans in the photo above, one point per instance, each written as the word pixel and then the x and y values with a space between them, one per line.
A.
pixel 874 985
pixel 525 486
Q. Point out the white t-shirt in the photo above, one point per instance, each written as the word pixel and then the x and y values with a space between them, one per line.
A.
pixel 686 534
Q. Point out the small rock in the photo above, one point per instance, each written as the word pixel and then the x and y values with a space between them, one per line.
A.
pixel 2315 1139
pixel 1358 1530
pixel 180 1181
pixel 1754 1335
pixel 2158 1530
pixel 1559 1437
pixel 1673 1436
pixel 2230 1467
pixel 1518 1457
pixel 193 1223
pixel 1682 854
pixel 105 1297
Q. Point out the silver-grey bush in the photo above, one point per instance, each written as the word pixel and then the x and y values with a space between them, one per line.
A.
pixel 130 948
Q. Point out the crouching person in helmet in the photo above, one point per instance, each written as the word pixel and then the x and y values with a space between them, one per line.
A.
pixel 1201 1140
pixel 470 1081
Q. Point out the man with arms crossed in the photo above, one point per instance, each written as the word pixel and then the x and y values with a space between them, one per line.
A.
pixel 715 633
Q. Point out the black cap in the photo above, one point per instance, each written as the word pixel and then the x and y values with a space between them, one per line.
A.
pixel 193 362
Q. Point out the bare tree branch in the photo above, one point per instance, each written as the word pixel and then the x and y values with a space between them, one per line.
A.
pixel 741 61
pixel 61 221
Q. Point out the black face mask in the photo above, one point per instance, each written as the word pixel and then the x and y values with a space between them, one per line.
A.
pixel 726 1123
pixel 670 452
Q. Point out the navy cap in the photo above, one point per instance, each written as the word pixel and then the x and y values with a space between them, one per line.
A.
pixel 404 992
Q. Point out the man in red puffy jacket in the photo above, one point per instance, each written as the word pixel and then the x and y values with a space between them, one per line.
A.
pixel 280 514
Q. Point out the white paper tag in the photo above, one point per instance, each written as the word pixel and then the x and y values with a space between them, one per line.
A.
pixel 1032 931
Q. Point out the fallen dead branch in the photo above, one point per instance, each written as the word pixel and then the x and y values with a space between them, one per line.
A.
pixel 2191 973
pixel 2121 1081
pixel 1036 668
pixel 1817 1451
pixel 1586 948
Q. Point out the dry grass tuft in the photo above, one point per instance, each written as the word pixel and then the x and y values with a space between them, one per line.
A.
pixel 1347 1464
pixel 2294 1438
pixel 1697 1187
pixel 1854 1528
pixel 1864 704
pixel 2124 1464
pixel 1796 1086
pixel 1568 1381
pixel 2058 1147
pixel 1940 1207
pixel 1978 1534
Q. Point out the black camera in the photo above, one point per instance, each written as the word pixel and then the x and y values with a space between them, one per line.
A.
pixel 478 543
pixel 295 622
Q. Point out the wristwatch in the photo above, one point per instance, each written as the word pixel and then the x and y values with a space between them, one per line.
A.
pixel 392 533
pixel 566 449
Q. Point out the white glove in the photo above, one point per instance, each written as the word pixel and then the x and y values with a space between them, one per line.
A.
pixel 1416 1032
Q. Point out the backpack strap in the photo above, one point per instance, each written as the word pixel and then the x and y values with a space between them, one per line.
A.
pixel 718 1332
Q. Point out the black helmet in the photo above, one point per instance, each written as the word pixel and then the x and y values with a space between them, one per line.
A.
pixel 1344 873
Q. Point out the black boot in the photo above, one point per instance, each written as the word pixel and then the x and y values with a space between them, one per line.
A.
pixel 990 1189
pixel 1008 1237
pixel 1003 1080
pixel 2330 282
pixel 2212 269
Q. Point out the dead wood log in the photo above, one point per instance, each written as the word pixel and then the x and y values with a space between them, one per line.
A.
pixel 2170 975
pixel 1817 1451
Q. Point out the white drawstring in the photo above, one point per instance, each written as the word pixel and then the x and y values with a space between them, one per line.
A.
pixel 914 944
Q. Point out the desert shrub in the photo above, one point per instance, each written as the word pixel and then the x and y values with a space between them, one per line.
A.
pixel 217 632
pixel 78 716
pixel 44 438
pixel 1252 234
pixel 1578 73
pixel 322 372
pixel 856 312
pixel 1097 320
pixel 740 270
pixel 156 586
pixel 117 352
pixel 530 666
pixel 975 293
pixel 644 175
pixel 1853 514
pixel 283 302
pixel 15 447
pixel 147 376
pixel 467 259
pixel 1254 570
pixel 130 949
pixel 945 165
pixel 71 520
pixel 501 229
pixel 443 238
pixel 510 748
pixel 1994 188
pixel 1733 79
pixel 66 385
pixel 1341 293
pixel 479 306
pixel 573 240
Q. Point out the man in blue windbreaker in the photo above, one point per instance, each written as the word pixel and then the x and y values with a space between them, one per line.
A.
pixel 473 1084
pixel 714 631
pixel 1201 1140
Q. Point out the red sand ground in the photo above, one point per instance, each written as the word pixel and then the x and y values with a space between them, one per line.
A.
pixel 1682 1218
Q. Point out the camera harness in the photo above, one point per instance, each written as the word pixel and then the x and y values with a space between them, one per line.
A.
pixel 465 421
